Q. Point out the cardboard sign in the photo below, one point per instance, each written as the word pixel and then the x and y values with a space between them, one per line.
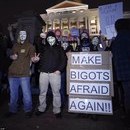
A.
pixel 90 58
pixel 98 106
pixel 89 68
pixel 90 75
pixel 90 82
pixel 86 59
pixel 96 89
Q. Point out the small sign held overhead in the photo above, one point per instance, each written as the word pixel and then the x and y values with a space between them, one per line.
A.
pixel 108 14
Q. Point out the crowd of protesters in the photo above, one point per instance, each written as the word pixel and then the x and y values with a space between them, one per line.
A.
pixel 51 59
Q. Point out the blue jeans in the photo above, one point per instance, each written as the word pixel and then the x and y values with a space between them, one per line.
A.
pixel 14 84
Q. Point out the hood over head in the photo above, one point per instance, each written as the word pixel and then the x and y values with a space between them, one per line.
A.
pixel 23 36
pixel 122 24
pixel 85 42
pixel 51 38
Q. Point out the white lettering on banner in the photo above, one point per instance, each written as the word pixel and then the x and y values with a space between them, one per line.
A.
pixel 90 105
pixel 86 59
pixel 90 75
pixel 89 88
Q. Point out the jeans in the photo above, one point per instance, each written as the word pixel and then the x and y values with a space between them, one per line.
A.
pixel 55 83
pixel 14 84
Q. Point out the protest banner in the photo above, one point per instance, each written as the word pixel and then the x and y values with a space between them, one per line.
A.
pixel 89 77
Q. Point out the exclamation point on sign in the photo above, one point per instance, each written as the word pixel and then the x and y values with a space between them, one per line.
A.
pixel 106 107
pixel 109 107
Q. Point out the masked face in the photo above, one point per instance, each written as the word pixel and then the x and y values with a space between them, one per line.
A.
pixel 95 41
pixel 51 40
pixel 65 45
pixel 22 36
pixel 85 42
pixel 84 35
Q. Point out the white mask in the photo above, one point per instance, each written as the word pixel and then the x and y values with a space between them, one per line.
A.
pixel 51 40
pixel 84 35
pixel 22 36
pixel 64 45
pixel 95 41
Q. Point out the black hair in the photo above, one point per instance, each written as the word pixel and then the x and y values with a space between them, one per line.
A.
pixel 122 24
pixel 50 33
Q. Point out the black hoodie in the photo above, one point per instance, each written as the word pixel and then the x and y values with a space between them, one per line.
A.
pixel 52 58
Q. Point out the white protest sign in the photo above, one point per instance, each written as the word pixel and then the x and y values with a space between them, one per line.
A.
pixel 108 14
pixel 90 75
pixel 98 106
pixel 110 31
pixel 102 89
pixel 86 59
pixel 90 80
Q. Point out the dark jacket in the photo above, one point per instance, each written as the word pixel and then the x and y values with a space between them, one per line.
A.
pixel 85 45
pixel 52 58
pixel 4 46
pixel 121 53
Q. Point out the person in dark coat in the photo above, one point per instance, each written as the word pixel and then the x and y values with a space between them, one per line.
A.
pixel 52 62
pixel 5 62
pixel 121 59
pixel 67 48
pixel 85 44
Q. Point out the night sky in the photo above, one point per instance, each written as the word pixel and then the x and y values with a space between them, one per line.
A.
pixel 10 10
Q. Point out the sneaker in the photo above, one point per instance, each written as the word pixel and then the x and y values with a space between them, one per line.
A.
pixel 38 113
pixel 58 115
pixel 28 114
pixel 10 114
